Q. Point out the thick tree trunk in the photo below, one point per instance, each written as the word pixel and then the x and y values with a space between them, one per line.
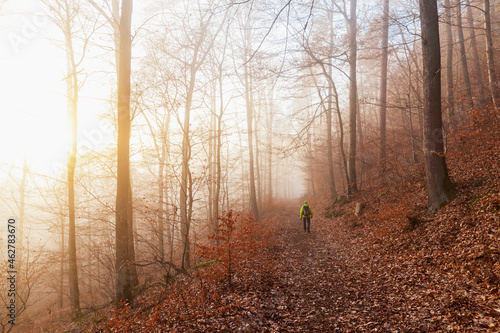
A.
pixel 440 189
pixel 383 88
pixel 123 262
pixel 353 49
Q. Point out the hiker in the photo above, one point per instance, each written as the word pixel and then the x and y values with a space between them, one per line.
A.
pixel 306 214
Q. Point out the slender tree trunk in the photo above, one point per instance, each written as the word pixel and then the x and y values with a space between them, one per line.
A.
pixel 250 115
pixel 270 149
pixel 463 56
pixel 169 218
pixel 361 167
pixel 184 195
pixel 61 266
pixel 412 137
pixel 161 198
pixel 449 63
pixel 219 151
pixel 353 49
pixel 245 204
pixel 475 55
pixel 329 111
pixel 212 152
pixel 383 88
pixel 134 277
pixel 440 189
pixel 310 162
pixel 72 87
pixel 257 159
pixel 490 57
pixel 329 147
pixel 123 262
pixel 341 136
pixel 186 185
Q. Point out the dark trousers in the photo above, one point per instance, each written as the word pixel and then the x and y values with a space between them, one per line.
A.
pixel 308 221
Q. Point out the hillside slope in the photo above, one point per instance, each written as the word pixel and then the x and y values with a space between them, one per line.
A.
pixel 393 268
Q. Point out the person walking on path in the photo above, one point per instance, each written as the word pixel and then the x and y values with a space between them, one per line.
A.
pixel 306 214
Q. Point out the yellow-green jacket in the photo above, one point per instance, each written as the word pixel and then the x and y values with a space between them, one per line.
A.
pixel 302 211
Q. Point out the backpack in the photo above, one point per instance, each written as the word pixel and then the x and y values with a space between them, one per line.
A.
pixel 306 212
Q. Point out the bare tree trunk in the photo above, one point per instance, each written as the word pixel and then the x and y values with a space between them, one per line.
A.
pixel 250 115
pixel 270 149
pixel 463 56
pixel 329 143
pixel 134 277
pixel 341 136
pixel 361 146
pixel 61 266
pixel 243 200
pixel 257 159
pixel 383 88
pixel 72 88
pixel 185 172
pixel 115 19
pixel 161 197
pixel 490 57
pixel 310 162
pixel 212 152
pixel 170 223
pixel 412 138
pixel 123 262
pixel 449 63
pixel 218 151
pixel 475 54
pixel 186 194
pixel 353 49
pixel 329 110
pixel 440 189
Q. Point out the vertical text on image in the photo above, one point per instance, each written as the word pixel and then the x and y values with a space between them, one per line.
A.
pixel 11 270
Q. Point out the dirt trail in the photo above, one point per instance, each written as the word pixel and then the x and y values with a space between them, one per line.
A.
pixel 331 280
pixel 314 290
pixel 327 283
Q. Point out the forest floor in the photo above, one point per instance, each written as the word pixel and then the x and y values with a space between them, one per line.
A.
pixel 329 280
pixel 393 268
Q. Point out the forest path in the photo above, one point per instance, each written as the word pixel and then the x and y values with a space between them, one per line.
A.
pixel 326 283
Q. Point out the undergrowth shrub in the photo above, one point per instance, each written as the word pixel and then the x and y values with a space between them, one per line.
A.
pixel 232 249
pixel 234 263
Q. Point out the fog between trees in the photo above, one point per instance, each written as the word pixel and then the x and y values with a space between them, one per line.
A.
pixel 214 106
